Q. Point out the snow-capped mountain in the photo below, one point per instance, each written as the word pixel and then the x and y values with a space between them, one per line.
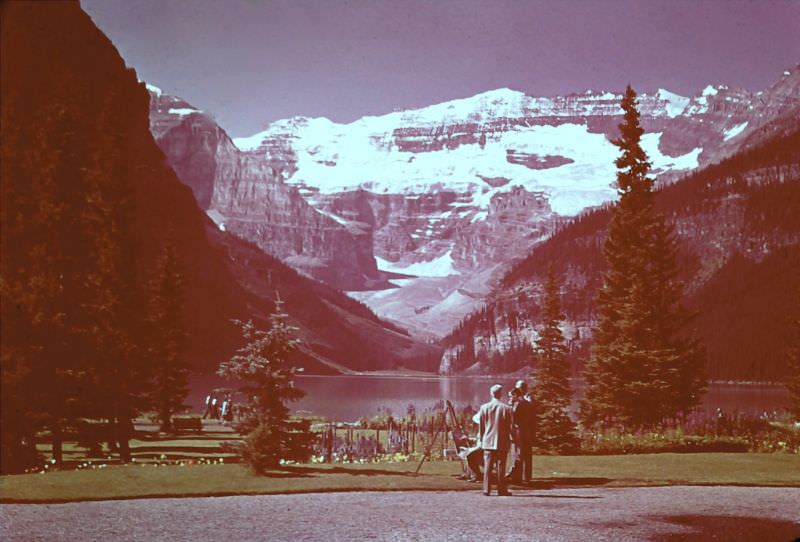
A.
pixel 450 194
pixel 478 146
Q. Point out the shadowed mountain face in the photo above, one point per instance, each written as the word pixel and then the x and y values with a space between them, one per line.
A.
pixel 57 64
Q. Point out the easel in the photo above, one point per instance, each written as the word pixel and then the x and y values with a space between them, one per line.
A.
pixel 442 427
pixel 427 454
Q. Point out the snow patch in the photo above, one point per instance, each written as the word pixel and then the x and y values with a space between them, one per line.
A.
pixel 183 111
pixel 402 282
pixel 650 143
pixel 736 130
pixel 337 218
pixel 443 266
pixel 217 218
pixel 154 89
pixel 594 95
pixel 675 102
pixel 481 215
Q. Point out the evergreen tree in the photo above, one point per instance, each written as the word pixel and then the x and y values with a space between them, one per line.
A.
pixel 555 430
pixel 41 251
pixel 70 285
pixel 113 301
pixel 262 364
pixel 641 369
pixel 167 339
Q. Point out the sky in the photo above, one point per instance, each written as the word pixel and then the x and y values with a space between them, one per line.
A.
pixel 251 62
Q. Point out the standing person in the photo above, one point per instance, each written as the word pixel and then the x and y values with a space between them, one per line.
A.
pixel 224 411
pixel 228 416
pixel 523 421
pixel 494 434
pixel 514 400
pixel 214 409
pixel 207 412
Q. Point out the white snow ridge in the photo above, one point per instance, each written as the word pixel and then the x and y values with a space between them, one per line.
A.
pixel 675 103
pixel 736 130
pixel 183 111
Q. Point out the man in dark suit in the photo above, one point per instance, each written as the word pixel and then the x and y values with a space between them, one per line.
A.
pixel 494 434
pixel 523 430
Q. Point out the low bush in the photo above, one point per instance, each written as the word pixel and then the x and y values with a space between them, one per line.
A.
pixel 719 433
pixel 613 442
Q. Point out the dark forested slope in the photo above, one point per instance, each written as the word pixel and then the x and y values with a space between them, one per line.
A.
pixel 738 224
pixel 75 116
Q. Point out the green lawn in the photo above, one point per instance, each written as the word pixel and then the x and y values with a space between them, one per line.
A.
pixel 133 481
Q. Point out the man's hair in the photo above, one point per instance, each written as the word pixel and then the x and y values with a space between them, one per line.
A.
pixel 495 390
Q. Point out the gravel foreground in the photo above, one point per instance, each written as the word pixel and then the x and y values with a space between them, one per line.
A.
pixel 649 513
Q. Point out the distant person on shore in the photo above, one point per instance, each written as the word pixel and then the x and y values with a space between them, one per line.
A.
pixel 224 409
pixel 227 410
pixel 494 434
pixel 522 406
pixel 208 411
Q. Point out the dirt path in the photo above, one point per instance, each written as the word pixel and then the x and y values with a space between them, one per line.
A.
pixel 654 513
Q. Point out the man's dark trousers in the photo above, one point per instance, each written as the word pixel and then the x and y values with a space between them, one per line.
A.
pixel 526 461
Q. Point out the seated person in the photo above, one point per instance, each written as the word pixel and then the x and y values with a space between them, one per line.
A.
pixel 474 458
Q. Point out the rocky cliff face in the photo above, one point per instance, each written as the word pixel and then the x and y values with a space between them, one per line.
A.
pixel 244 194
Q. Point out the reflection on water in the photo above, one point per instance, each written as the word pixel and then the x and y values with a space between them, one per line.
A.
pixel 349 398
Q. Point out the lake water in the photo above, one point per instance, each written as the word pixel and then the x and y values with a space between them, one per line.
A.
pixel 349 398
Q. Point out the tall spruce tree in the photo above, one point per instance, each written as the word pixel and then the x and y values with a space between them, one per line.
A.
pixel 167 339
pixel 555 431
pixel 263 365
pixel 38 287
pixel 642 368
pixel 113 301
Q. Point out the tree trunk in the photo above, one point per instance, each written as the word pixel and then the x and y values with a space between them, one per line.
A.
pixel 166 423
pixel 58 443
pixel 122 430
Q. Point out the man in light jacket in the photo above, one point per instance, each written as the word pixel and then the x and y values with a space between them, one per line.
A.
pixel 494 434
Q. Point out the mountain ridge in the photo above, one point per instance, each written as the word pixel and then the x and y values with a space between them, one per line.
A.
pixel 478 182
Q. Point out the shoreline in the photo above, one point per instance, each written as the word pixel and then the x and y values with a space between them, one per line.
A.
pixel 510 376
